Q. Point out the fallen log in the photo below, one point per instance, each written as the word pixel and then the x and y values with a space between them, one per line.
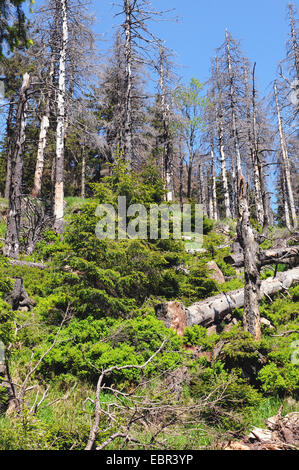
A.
pixel 214 309
pixel 285 255
pixel 28 264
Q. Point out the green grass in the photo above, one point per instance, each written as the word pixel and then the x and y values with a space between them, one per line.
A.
pixel 2 229
pixel 269 407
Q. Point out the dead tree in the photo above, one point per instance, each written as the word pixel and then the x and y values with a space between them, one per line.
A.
pixel 12 245
pixel 287 255
pixel 246 238
pixel 60 130
pixel 237 169
pixel 138 40
pixel 166 138
pixel 253 150
pixel 218 118
pixel 43 134
pixel 258 162
pixel 293 43
pixel 9 137
pixel 213 193
pixel 285 165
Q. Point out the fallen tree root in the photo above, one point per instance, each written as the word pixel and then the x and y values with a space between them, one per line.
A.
pixel 281 434
pixel 214 309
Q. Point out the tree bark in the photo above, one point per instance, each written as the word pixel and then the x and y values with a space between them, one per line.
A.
pixel 261 195
pixel 286 164
pixel 9 134
pixel 128 138
pixel 12 247
pixel 42 142
pixel 253 149
pixel 83 171
pixel 228 213
pixel 246 238
pixel 213 190
pixel 166 139
pixel 60 131
pixel 238 168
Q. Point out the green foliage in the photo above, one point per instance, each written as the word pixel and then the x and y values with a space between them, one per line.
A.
pixel 280 311
pixel 86 347
pixel 13 25
pixel 280 380
pixel 242 352
pixel 6 322
pixel 294 291
pixel 197 336
pixel 238 396
pixel 197 285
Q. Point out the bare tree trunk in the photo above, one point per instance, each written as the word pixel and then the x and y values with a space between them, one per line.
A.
pixel 83 170
pixel 202 190
pixel 259 180
pixel 167 160
pixel 60 131
pixel 128 138
pixel 286 164
pixel 285 198
pixel 181 175
pixel 228 213
pixel 236 160
pixel 251 318
pixel 213 191
pixel 42 142
pixel 11 247
pixel 189 179
pixel 9 133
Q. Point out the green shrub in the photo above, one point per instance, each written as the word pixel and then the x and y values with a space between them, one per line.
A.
pixel 280 380
pixel 197 336
pixel 87 346
pixel 238 397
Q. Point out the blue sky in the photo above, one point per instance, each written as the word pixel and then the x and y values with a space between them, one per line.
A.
pixel 260 25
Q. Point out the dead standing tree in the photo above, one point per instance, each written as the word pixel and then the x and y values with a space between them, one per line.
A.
pixel 246 237
pixel 138 40
pixel 285 167
pixel 164 68
pixel 60 130
pixel 216 121
pixel 12 245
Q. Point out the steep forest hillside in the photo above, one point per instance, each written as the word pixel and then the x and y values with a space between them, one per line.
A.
pixel 149 275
